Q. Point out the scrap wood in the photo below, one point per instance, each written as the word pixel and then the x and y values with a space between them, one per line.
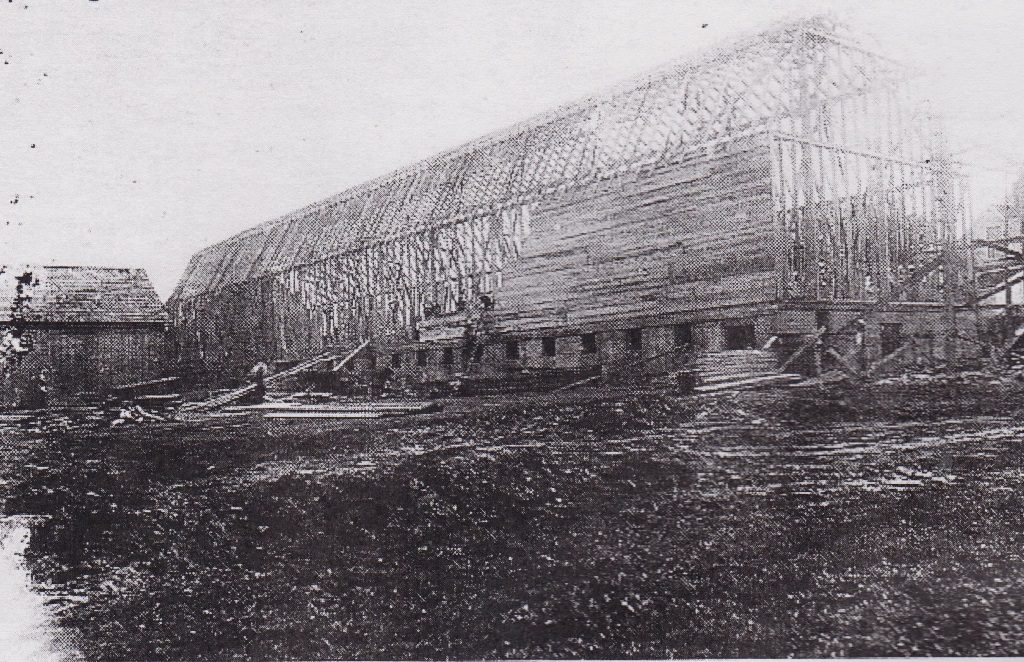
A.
pixel 502 447
pixel 308 395
pixel 452 447
pixel 358 405
pixel 321 414
pixel 158 398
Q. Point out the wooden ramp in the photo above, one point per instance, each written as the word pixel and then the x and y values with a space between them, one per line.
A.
pixel 232 396
pixel 734 370
pixel 734 365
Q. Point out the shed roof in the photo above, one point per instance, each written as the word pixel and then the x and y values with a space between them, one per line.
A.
pixel 652 118
pixel 69 294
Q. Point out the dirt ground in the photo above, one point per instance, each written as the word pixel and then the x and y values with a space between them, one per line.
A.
pixel 811 522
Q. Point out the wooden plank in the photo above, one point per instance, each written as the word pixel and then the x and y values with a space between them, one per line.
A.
pixel 843 362
pixel 889 358
pixel 341 364
pixel 320 415
pixel 751 382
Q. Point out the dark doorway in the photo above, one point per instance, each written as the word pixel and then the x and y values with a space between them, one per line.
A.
pixel 892 338
pixel 822 319
pixel 682 335
pixel 635 339
pixel 739 336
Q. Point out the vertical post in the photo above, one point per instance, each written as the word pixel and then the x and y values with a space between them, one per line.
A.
pixel 945 208
pixel 1007 232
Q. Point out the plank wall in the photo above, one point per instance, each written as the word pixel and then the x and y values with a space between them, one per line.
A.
pixel 693 235
pixel 83 358
pixel 687 236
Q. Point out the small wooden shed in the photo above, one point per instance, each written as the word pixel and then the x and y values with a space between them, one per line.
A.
pixel 68 330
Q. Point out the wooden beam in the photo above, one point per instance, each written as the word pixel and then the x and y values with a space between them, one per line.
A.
pixel 806 345
pixel 844 362
pixel 580 382
pixel 341 364
pixel 889 358
pixel 999 247
pixel 996 289
pixel 1008 345
pixel 991 241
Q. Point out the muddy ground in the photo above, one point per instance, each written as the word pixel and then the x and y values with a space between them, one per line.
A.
pixel 849 521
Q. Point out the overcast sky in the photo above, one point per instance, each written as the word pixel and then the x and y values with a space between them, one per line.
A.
pixel 135 132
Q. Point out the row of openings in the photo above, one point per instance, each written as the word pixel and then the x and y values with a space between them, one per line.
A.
pixel 682 337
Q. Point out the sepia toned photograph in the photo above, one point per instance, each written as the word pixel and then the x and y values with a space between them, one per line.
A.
pixel 458 330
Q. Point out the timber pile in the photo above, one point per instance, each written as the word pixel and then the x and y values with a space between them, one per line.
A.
pixel 734 364
pixel 735 369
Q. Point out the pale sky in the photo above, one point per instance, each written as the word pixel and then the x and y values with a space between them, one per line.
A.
pixel 135 132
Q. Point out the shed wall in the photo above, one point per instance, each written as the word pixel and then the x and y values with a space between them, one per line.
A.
pixel 83 358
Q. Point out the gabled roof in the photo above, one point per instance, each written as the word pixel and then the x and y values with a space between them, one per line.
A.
pixel 63 294
pixel 651 119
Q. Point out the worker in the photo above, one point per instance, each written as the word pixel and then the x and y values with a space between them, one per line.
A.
pixel 44 386
pixel 258 375
pixel 387 380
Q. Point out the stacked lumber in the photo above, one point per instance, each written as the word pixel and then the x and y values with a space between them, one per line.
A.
pixel 733 369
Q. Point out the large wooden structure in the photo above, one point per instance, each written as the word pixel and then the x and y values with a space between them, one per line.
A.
pixel 772 189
